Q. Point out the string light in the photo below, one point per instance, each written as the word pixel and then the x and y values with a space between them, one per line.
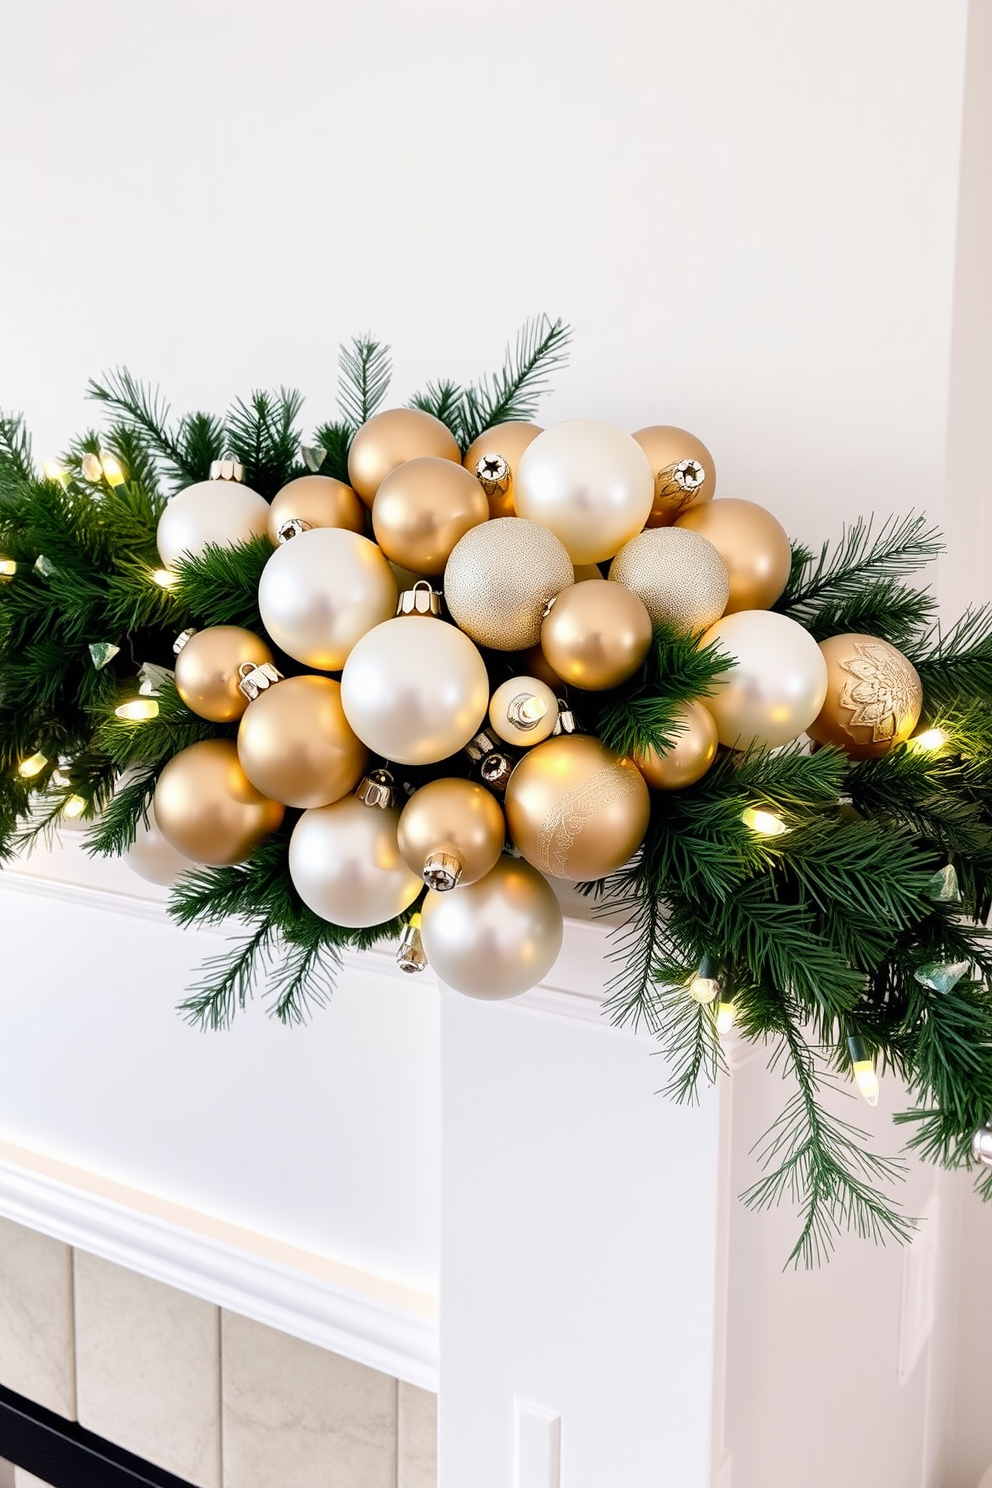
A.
pixel 704 984
pixel 138 710
pixel 8 568
pixel 53 471
pixel 74 807
pixel 929 741
pixel 763 823
pixel 91 467
pixel 165 578
pixel 864 1070
pixel 725 1015
pixel 32 766
pixel 113 470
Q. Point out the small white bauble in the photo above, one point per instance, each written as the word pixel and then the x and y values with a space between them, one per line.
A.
pixel 345 863
pixel 415 690
pixel 321 591
pixel 589 483
pixel 219 512
pixel 154 859
pixel 778 686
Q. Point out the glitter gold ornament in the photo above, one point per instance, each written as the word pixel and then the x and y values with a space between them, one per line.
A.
pixel 390 439
pixel 207 670
pixel 683 469
pixel 752 543
pixel 680 576
pixel 422 508
pixel 690 756
pixel 321 591
pixel 219 512
pixel 296 746
pixel 575 809
pixel 451 832
pixel 208 809
pixel 499 579
pixel 778 683
pixel 345 863
pixel 596 634
pixel 873 700
pixel 492 459
pixel 317 500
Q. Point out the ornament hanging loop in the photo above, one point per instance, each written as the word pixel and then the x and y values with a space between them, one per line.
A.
pixel 257 678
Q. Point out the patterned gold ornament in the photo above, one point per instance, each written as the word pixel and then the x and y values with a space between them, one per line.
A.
pixel 318 500
pixel 681 577
pixel 421 510
pixel 391 438
pixel 690 756
pixel 684 473
pixel 207 670
pixel 874 696
pixel 492 459
pixel 499 579
pixel 752 543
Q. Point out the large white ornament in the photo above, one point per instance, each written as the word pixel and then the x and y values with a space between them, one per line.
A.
pixel 154 859
pixel 220 512
pixel 323 590
pixel 346 864
pixel 415 690
pixel 778 686
pixel 589 483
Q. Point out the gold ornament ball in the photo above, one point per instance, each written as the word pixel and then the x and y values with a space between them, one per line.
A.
pixel 208 809
pixel 390 439
pixel 319 500
pixel 586 571
pixel 499 579
pixel 207 675
pixel 493 458
pixel 596 635
pixel 534 663
pixel 684 473
pixel 523 711
pixel 456 819
pixel 752 543
pixel 575 809
pixel 691 755
pixel 297 747
pixel 345 863
pixel 874 696
pixel 777 687
pixel 495 938
pixel 422 508
pixel 323 590
pixel 680 576
pixel 219 513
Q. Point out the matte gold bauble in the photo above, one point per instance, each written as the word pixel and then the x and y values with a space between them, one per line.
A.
pixel 390 439
pixel 680 576
pixel 318 500
pixel 777 687
pixel 596 635
pixel 752 543
pixel 499 579
pixel 208 809
pixel 523 711
pixel 345 863
pixel 451 832
pixel 321 591
pixel 493 457
pixel 495 938
pixel 297 747
pixel 575 809
pixel 684 473
pixel 207 675
pixel 221 513
pixel 422 508
pixel 587 482
pixel 874 696
pixel 691 755
pixel 534 663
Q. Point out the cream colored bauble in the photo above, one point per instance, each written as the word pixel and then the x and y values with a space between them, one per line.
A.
pixel 220 513
pixel 499 579
pixel 323 590
pixel 680 577
pixel 345 863
pixel 391 438
pixel 587 482
pixel 154 859
pixel 778 685
pixel 415 690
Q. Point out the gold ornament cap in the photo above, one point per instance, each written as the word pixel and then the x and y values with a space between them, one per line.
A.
pixel 421 599
pixel 227 470
pixel 257 678
pixel 377 789
pixel 493 474
pixel 410 955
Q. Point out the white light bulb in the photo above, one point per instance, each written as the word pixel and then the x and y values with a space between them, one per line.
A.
pixel 867 1080
pixel 32 766
pixel 764 823
pixel 138 710
pixel 725 1017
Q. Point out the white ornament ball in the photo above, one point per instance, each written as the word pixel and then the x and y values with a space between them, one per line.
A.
pixel 778 686
pixel 589 483
pixel 345 863
pixel 219 512
pixel 323 590
pixel 154 859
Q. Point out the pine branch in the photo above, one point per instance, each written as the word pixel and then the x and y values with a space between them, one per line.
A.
pixel 144 408
pixel 226 981
pixel 445 401
pixel 127 810
pixel 883 607
pixel 957 666
pixel 201 438
pixel 16 457
pixel 335 440
pixel 899 547
pixel 513 393
pixel 643 714
pixel 364 372
pixel 261 434
pixel 220 585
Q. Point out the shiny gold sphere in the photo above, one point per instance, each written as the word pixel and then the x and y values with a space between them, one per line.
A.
pixel 207 675
pixel 208 809
pixel 690 756
pixel 596 635
pixel 684 473
pixel 390 439
pixel 752 543
pixel 318 500
pixel 534 663
pixel 422 508
pixel 457 819
pixel 575 809
pixel 499 579
pixel 681 577
pixel 493 457
pixel 297 747
pixel 874 696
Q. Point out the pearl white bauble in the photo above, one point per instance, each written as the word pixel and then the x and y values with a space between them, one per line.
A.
pixel 154 859
pixel 321 591
pixel 345 863
pixel 778 686
pixel 220 512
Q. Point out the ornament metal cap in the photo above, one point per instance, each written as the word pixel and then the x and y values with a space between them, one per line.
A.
pixel 183 639
pixel 377 789
pixel 496 770
pixel 420 600
pixel 981 1145
pixel 229 470
pixel 256 678
pixel 526 711
pixel 410 955
pixel 292 527
pixel 686 475
pixel 566 723
pixel 442 871
pixel 493 474
pixel 484 743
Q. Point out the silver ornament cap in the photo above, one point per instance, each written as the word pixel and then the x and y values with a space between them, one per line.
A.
pixel 410 955
pixel 377 789
pixel 442 872
pixel 981 1145
pixel 256 679
pixel 228 470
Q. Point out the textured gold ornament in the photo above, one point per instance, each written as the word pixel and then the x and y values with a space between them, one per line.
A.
pixel 422 508
pixel 492 459
pixel 596 634
pixel 691 755
pixel 575 809
pixel 208 670
pixel 752 543
pixel 390 439
pixel 317 501
pixel 499 579
pixel 451 832
pixel 684 473
pixel 680 577
pixel 874 696
pixel 296 746
pixel 208 809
